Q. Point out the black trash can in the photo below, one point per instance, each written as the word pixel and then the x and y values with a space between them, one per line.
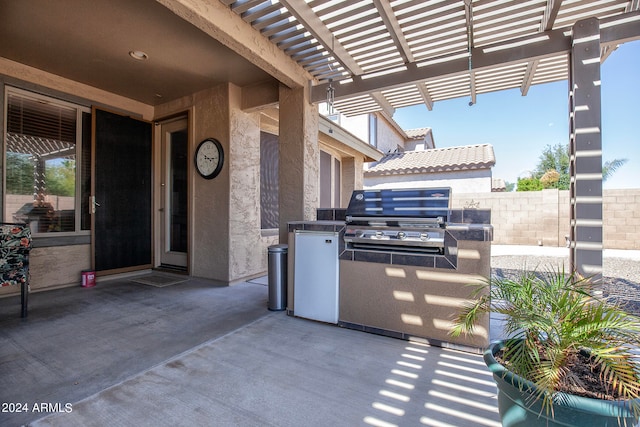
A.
pixel 277 265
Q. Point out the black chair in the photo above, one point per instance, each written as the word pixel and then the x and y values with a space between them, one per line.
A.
pixel 15 245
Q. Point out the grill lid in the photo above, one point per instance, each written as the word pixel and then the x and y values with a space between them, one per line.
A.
pixel 393 207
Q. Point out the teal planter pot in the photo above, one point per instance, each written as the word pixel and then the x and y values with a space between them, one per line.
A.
pixel 518 408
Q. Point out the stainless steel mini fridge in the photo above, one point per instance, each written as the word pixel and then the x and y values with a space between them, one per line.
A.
pixel 316 275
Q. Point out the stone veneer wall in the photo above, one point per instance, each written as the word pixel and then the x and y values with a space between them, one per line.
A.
pixel 542 217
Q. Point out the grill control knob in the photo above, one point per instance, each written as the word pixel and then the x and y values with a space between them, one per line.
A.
pixel 379 234
pixel 424 236
pixel 359 233
pixel 402 235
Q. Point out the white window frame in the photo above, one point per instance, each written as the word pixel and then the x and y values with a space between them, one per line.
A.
pixel 373 130
pixel 10 90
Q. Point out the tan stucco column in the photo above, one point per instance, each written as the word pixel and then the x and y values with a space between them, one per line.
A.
pixel 247 249
pixel 352 178
pixel 209 210
pixel 299 158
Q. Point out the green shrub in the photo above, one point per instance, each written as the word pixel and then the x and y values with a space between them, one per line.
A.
pixel 529 184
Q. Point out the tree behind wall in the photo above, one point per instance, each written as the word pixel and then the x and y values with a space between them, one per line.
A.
pixel 552 170
pixel 529 184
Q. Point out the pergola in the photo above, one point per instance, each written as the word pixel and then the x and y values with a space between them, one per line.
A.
pixel 380 55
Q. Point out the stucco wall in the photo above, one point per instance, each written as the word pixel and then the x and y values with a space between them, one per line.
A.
pixel 55 267
pixel 247 246
pixel 357 125
pixel 209 251
pixel 542 217
pixel 388 139
pixel 351 178
pixel 478 181
pixel 299 171
pixel 226 243
pixel 97 96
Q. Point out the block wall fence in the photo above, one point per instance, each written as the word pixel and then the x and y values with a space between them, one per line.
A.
pixel 542 217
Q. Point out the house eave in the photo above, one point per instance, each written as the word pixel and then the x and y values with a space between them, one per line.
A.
pixel 338 133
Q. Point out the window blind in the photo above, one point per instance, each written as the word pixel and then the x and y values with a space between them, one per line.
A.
pixel 40 162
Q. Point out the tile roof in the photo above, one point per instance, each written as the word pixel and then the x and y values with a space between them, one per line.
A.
pixel 449 159
pixel 417 133
pixel 498 184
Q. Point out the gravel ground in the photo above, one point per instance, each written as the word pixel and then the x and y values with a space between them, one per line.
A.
pixel 621 276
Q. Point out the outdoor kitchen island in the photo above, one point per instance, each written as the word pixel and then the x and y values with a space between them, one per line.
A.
pixel 406 276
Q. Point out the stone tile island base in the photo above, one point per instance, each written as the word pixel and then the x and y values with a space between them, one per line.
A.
pixel 410 301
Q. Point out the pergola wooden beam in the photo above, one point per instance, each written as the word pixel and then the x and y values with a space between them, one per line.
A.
pixel 395 31
pixel 550 14
pixel 529 74
pixel 309 20
pixel 554 42
pixel 617 29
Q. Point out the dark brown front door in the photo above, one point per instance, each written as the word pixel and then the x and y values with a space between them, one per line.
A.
pixel 122 218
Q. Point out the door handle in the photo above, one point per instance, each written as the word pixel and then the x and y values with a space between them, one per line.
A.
pixel 93 204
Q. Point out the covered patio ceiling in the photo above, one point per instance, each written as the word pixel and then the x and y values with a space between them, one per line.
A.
pixel 380 55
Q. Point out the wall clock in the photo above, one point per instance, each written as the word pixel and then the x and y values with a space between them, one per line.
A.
pixel 209 158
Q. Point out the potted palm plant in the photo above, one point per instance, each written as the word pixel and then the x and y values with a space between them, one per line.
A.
pixel 570 358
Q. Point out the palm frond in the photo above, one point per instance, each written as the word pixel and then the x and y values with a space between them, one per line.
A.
pixel 552 315
pixel 609 167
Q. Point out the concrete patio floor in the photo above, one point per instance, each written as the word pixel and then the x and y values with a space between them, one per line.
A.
pixel 124 353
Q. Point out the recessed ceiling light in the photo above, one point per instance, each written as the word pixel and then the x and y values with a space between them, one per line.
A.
pixel 139 55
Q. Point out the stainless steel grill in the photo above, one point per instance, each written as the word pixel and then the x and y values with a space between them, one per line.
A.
pixel 405 220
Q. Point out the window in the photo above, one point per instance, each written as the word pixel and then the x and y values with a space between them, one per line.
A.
pixel 269 193
pixel 373 130
pixel 44 141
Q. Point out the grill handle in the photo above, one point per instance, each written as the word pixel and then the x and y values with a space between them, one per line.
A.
pixel 381 220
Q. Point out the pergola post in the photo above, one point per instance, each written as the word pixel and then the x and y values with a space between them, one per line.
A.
pixel 299 158
pixel 585 149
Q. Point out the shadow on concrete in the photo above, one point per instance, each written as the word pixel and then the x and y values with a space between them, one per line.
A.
pixel 191 354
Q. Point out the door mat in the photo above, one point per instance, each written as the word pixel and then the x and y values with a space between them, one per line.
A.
pixel 158 280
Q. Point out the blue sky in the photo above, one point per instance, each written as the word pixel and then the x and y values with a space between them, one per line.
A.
pixel 520 127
